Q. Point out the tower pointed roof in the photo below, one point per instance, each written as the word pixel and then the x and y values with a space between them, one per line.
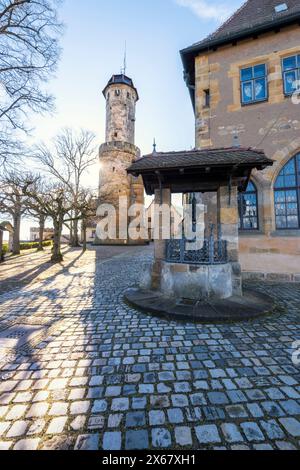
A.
pixel 122 80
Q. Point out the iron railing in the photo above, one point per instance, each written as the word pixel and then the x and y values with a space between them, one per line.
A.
pixel 207 252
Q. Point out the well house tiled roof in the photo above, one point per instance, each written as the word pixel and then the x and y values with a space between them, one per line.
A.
pixel 201 158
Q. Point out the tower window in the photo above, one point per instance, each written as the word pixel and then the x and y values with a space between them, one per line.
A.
pixel 128 94
pixel 117 92
pixel 207 98
pixel 116 134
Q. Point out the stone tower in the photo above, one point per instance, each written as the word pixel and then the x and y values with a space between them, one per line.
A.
pixel 119 152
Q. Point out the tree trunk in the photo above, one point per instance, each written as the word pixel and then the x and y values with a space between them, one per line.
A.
pixel 41 232
pixel 57 256
pixel 84 236
pixel 75 240
pixel 71 233
pixel 16 235
pixel 1 247
pixel 10 241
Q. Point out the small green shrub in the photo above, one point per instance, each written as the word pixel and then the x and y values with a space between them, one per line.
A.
pixel 33 245
pixel 4 248
pixel 27 246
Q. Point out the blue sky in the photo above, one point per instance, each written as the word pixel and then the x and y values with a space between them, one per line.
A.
pixel 155 31
pixel 93 48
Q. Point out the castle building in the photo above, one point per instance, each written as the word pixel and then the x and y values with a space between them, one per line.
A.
pixel 244 82
pixel 118 153
pixel 35 234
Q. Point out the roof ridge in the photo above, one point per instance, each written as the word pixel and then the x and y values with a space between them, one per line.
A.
pixel 218 149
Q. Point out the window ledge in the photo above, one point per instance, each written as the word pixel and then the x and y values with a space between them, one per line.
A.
pixel 251 103
pixel 286 233
pixel 251 233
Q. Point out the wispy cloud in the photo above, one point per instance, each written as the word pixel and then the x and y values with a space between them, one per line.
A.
pixel 208 10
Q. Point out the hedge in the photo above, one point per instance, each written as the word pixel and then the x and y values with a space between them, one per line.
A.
pixel 32 245
pixel 27 246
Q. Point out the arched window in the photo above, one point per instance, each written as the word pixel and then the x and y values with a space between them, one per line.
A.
pixel 248 209
pixel 287 196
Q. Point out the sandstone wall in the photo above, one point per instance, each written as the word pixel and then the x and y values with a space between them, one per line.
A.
pixel 273 125
pixel 120 113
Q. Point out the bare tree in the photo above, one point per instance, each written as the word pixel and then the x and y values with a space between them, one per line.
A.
pixel 13 203
pixel 29 52
pixel 67 162
pixel 53 202
pixel 87 207
pixel 12 149
pixel 37 212
pixel 56 201
pixel 42 220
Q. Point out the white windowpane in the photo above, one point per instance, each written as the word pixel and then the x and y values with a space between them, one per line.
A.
pixel 290 81
pixel 260 89
pixel 247 92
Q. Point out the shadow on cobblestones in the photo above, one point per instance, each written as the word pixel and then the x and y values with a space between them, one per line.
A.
pixel 105 376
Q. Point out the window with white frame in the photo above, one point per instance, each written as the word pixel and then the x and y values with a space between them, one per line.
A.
pixel 254 84
pixel 291 73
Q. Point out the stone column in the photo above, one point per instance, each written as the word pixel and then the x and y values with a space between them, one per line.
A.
pixel 228 218
pixel 161 197
pixel 267 224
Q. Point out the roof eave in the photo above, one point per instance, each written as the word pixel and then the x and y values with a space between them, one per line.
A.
pixel 252 165
pixel 210 43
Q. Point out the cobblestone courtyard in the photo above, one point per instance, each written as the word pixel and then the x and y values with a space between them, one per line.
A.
pixel 99 375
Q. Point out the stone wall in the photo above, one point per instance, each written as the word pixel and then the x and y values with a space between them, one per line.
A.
pixel 115 183
pixel 120 113
pixel 115 158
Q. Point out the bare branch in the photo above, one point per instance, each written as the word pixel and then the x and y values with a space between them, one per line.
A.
pixel 29 53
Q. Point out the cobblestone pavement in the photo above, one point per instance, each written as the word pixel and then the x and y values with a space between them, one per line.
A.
pixel 98 375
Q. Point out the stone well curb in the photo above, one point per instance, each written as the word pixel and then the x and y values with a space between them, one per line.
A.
pixel 271 277
pixel 251 306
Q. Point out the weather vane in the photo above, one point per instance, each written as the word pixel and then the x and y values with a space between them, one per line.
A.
pixel 154 146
